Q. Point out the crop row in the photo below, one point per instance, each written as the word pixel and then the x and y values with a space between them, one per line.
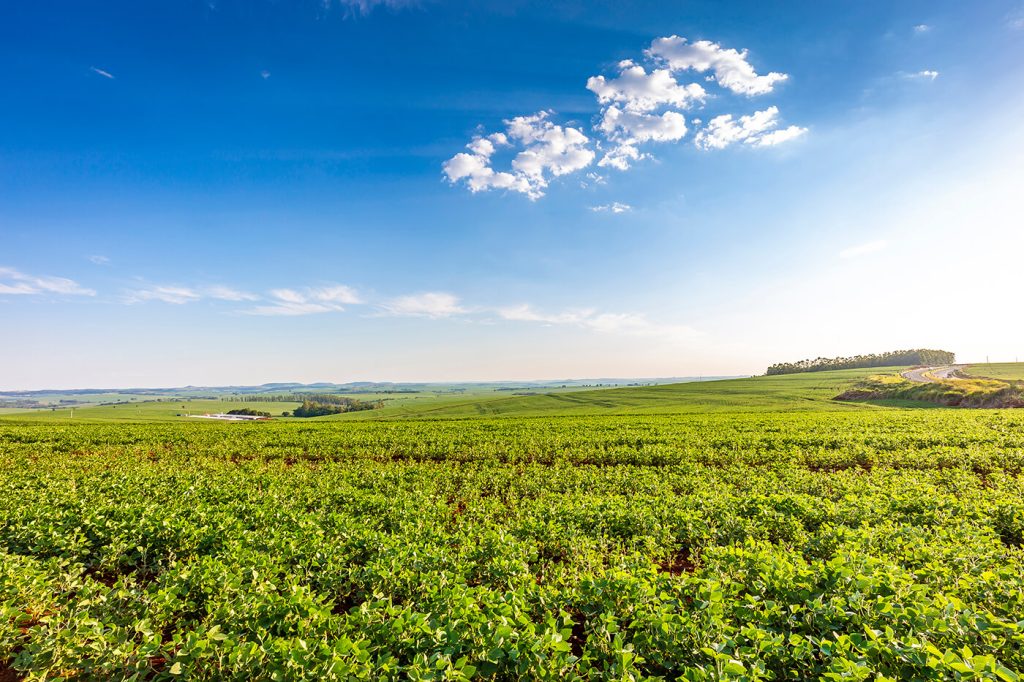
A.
pixel 853 546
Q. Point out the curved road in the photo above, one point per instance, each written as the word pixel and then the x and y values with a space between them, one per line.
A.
pixel 929 375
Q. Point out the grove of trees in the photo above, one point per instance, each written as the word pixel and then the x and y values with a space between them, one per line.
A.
pixel 338 405
pixel 896 358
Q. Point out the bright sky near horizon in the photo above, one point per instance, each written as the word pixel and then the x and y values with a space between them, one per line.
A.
pixel 236 192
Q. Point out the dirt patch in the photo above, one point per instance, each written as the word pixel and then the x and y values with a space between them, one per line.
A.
pixel 9 674
pixel 679 563
pixel 578 638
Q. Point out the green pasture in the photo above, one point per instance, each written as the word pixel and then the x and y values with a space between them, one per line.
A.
pixel 143 411
pixel 805 391
pixel 1011 371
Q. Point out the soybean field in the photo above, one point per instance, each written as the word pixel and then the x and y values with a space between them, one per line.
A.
pixel 860 545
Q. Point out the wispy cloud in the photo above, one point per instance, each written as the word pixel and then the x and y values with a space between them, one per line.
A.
pixel 309 301
pixel 362 8
pixel 101 72
pixel 1015 21
pixel 14 282
pixel 864 249
pixel 175 295
pixel 223 293
pixel 922 28
pixel 264 74
pixel 179 295
pixel 433 304
pixel 626 324
pixel 924 74
pixel 614 207
pixel 98 260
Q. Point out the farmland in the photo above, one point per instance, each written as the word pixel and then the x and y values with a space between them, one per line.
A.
pixel 857 543
pixel 1011 371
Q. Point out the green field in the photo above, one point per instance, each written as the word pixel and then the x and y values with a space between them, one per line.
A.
pixel 734 530
pixel 145 411
pixel 997 370
pixel 808 391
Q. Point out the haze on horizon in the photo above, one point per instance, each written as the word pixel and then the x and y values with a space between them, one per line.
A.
pixel 232 193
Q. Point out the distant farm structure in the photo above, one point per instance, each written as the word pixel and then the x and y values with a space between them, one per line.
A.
pixel 232 417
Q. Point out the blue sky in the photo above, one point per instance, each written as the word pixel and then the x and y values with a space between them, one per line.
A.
pixel 270 190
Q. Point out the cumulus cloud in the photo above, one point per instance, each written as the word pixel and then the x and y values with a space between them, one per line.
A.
pixel 546 150
pixel 433 304
pixel 639 105
pixel 627 129
pixel 637 90
pixel 614 207
pixel 13 282
pixel 757 129
pixel 863 249
pixel 308 301
pixel 730 67
pixel 628 324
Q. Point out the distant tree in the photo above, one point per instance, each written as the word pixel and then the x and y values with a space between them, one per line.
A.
pixel 918 356
pixel 249 412
pixel 310 408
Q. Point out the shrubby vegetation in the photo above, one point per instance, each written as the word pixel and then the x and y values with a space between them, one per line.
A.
pixel 338 405
pixel 248 411
pixel 897 358
pixel 877 545
pixel 978 393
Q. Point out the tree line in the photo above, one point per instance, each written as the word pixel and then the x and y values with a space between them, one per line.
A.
pixel 310 408
pixel 917 356
pixel 321 398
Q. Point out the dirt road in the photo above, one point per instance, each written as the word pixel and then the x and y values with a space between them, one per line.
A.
pixel 929 375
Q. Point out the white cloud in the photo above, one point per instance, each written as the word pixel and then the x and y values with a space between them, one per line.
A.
pixel 99 260
pixel 614 207
pixel 730 67
pixel 864 249
pixel 639 105
pixel 309 301
pixel 628 129
pixel 627 324
pixel 922 28
pixel 175 295
pixel 757 129
pixel 224 293
pixel 433 304
pixel 352 8
pixel 547 150
pixel 19 283
pixel 924 74
pixel 636 90
pixel 337 294
pixel 778 136
pixel 264 74
pixel 101 72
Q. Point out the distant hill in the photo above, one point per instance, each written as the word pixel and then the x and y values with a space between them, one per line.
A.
pixel 353 386
pixel 813 391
